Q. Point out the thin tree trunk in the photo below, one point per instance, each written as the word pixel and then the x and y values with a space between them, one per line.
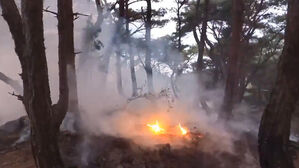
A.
pixel 132 62
pixel 133 73
pixel 100 17
pixel 172 82
pixel 179 25
pixel 198 42
pixel 66 49
pixel 148 57
pixel 242 86
pixel 275 125
pixel 118 72
pixel 119 41
pixel 232 78
pixel 203 36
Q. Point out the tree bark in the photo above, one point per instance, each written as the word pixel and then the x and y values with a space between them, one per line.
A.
pixel 44 119
pixel 13 18
pixel 132 61
pixel 179 24
pixel 232 76
pixel 203 36
pixel 119 41
pixel 275 125
pixel 118 72
pixel 148 57
pixel 66 50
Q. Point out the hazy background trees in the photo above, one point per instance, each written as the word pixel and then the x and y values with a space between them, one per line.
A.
pixel 231 45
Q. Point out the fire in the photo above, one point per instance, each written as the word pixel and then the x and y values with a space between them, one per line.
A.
pixel 183 130
pixel 156 128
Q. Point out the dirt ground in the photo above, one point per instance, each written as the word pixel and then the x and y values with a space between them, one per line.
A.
pixel 17 157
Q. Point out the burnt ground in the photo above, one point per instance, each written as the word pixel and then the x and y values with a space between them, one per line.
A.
pixel 115 152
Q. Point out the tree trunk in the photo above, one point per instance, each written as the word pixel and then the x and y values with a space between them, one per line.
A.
pixel 132 62
pixel 118 72
pixel 179 25
pixel 133 73
pixel 66 49
pixel 203 37
pixel 119 41
pixel 13 18
pixel 275 125
pixel 148 57
pixel 44 119
pixel 232 76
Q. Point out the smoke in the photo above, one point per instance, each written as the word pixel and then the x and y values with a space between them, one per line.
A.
pixel 104 111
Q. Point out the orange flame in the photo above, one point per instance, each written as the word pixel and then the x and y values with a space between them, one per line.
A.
pixel 156 128
pixel 183 130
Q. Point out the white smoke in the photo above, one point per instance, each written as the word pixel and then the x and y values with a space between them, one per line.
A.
pixel 104 111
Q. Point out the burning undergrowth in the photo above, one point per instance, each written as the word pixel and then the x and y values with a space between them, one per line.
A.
pixel 154 133
pixel 158 131
pixel 149 122
pixel 162 131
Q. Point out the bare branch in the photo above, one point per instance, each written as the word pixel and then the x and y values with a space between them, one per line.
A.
pixel 77 14
pixel 113 6
pixel 16 95
pixel 138 30
pixel 12 83
pixel 80 14
pixel 49 11
pixel 78 52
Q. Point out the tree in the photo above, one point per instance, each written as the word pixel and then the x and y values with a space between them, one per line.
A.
pixel 45 118
pixel 275 125
pixel 231 81
pixel 66 49
pixel 178 19
pixel 119 38
pixel 132 62
pixel 203 35
pixel 148 57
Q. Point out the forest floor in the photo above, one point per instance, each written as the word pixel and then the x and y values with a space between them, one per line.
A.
pixel 115 152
